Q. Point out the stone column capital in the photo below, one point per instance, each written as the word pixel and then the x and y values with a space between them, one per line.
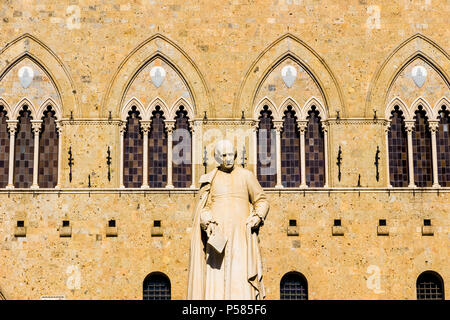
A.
pixel 434 125
pixel 36 125
pixel 12 125
pixel 278 125
pixel 122 127
pixel 192 125
pixel 170 125
pixel 302 125
pixel 409 125
pixel 145 125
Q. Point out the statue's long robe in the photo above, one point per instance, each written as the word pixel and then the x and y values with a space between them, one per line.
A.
pixel 237 272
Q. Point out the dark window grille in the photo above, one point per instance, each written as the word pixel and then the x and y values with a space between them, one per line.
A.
pixel 182 170
pixel 430 286
pixel 422 150
pixel 157 287
pixel 266 168
pixel 133 151
pixel 157 151
pixel 293 286
pixel 48 151
pixel 290 150
pixel 382 222
pixel 24 151
pixel 443 147
pixel 314 151
pixel 4 148
pixel 398 154
pixel 337 222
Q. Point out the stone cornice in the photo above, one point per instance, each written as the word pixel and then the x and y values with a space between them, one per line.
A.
pixel 357 121
pixel 194 191
pixel 91 122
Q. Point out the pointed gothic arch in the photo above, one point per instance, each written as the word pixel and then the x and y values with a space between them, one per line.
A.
pixel 266 101
pixel 157 46
pixel 417 46
pixel 28 46
pixel 289 47
pixel 425 105
pixel 397 102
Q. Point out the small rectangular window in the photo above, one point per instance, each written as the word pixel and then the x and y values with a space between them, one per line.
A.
pixel 337 222
pixel 382 222
pixel 157 223
pixel 293 223
pixel 66 223
pixel 426 222
pixel 20 223
pixel 111 223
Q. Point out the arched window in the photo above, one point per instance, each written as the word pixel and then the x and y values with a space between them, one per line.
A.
pixel 398 153
pixel 290 150
pixel 182 154
pixel 133 151
pixel 430 286
pixel 293 286
pixel 423 172
pixel 48 151
pixel 156 287
pixel 266 166
pixel 314 150
pixel 24 151
pixel 443 147
pixel 4 148
pixel 157 151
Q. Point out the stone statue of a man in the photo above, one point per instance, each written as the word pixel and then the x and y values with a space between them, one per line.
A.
pixel 225 261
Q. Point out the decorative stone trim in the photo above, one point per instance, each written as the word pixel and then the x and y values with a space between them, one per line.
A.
pixel 357 121
pixel 90 122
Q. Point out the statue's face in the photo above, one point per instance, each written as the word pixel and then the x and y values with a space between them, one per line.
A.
pixel 225 155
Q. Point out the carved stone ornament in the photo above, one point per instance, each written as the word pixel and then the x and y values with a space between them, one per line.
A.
pixel 419 75
pixel 289 74
pixel 26 75
pixel 158 75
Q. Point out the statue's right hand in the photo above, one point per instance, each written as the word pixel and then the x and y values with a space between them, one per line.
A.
pixel 210 229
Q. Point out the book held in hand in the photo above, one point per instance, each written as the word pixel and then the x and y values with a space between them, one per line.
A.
pixel 217 241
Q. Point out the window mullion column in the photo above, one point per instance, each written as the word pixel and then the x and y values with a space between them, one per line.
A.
pixel 145 127
pixel 388 173
pixel 12 127
pixel 278 127
pixel 409 128
pixel 170 125
pixel 434 125
pixel 59 132
pixel 36 125
pixel 325 153
pixel 193 152
pixel 302 125
pixel 254 155
pixel 122 128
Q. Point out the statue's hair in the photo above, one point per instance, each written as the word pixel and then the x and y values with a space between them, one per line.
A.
pixel 223 144
pixel 220 145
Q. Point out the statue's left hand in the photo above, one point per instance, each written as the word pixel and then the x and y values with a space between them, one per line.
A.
pixel 253 221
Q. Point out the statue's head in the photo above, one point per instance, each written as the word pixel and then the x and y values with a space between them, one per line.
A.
pixel 225 154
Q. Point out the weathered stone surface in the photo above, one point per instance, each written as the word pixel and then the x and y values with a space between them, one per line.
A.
pixel 223 58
